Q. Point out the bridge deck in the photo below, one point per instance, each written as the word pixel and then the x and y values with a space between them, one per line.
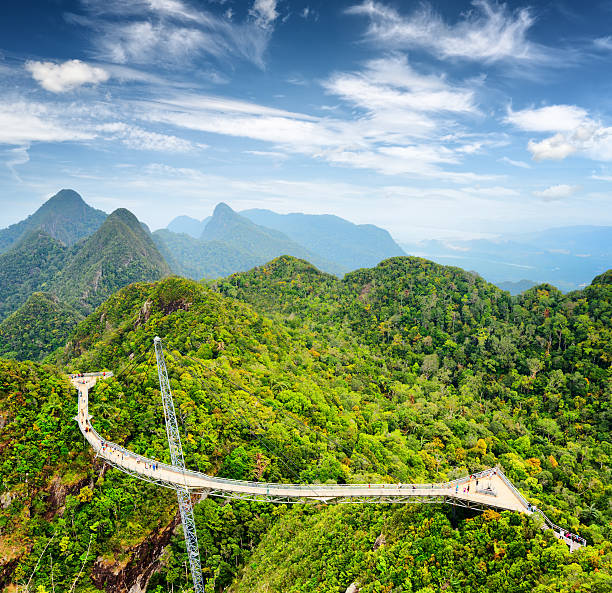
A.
pixel 488 489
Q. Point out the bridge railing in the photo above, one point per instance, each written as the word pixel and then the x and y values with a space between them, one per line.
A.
pixel 560 531
pixel 261 485
pixel 227 482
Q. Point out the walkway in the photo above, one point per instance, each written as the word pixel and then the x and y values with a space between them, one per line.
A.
pixel 487 489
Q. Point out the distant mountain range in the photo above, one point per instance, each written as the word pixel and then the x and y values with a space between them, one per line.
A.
pixel 567 257
pixel 229 243
pixel 256 236
pixel 188 226
pixel 61 262
pixel 64 260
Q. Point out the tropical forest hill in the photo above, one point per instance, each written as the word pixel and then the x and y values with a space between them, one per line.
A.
pixel 408 372
pixel 48 287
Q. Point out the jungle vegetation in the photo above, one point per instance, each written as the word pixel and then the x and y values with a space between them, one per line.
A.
pixel 406 372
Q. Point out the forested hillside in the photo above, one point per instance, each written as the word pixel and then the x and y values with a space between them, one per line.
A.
pixel 408 372
pixel 28 267
pixel 197 259
pixel 38 327
pixel 119 253
pixel 75 281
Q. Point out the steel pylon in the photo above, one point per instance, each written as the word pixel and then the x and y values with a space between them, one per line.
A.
pixel 176 455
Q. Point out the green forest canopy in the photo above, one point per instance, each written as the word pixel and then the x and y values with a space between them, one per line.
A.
pixel 407 372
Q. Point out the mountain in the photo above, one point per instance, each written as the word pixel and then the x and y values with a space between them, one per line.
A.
pixel 566 257
pixel 189 226
pixel 246 236
pixel 74 281
pixel 120 252
pixel 229 243
pixel 38 327
pixel 515 288
pixel 65 217
pixel 348 245
pixel 408 372
pixel 197 259
pixel 28 267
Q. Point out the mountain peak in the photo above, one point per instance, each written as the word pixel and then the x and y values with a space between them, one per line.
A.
pixel 65 216
pixel 125 216
pixel 222 209
pixel 66 198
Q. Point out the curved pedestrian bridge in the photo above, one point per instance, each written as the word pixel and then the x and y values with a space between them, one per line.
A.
pixel 487 489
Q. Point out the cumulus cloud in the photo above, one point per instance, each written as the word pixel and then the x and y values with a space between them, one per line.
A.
pixel 489 33
pixel 59 78
pixel 264 12
pixel 557 192
pixel 555 148
pixel 576 132
pixel 553 118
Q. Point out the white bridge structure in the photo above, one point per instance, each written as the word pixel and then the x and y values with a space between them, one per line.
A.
pixel 487 489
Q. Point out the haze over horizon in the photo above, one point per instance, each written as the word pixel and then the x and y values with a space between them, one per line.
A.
pixel 449 119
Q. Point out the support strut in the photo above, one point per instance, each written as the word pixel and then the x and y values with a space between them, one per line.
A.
pixel 178 461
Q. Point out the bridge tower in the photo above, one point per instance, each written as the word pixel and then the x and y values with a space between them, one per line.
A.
pixel 178 461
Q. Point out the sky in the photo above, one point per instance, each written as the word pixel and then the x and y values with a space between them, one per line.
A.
pixel 447 119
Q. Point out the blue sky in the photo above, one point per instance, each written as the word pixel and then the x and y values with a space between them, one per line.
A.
pixel 449 119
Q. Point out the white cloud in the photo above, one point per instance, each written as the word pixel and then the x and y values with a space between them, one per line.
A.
pixel 553 118
pixel 555 148
pixel 59 78
pixel 264 12
pixel 23 122
pixel 390 142
pixel 171 32
pixel 557 192
pixel 391 84
pixel 489 33
pixel 139 139
pixel 520 164
pixel 268 153
pixel 576 133
pixel 603 43
pixel 591 140
pixel 17 156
